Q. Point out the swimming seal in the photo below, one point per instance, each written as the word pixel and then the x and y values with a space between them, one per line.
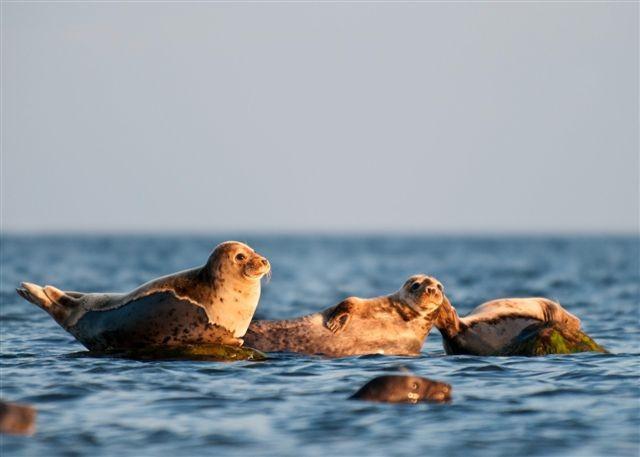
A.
pixel 509 326
pixel 403 389
pixel 17 419
pixel 213 303
pixel 395 324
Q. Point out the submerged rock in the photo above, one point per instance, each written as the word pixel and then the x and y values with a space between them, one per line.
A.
pixel 204 352
pixel 546 339
pixel 17 419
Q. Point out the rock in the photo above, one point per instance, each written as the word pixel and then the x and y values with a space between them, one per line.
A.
pixel 546 339
pixel 202 352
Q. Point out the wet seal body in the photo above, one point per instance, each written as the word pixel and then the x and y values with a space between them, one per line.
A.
pixel 395 324
pixel 17 419
pixel 511 326
pixel 403 389
pixel 210 304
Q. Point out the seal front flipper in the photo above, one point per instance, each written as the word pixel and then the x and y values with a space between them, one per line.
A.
pixel 339 316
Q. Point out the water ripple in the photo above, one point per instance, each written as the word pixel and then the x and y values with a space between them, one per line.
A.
pixel 578 405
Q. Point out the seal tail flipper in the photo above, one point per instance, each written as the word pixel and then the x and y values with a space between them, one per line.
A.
pixel 54 301
pixel 35 294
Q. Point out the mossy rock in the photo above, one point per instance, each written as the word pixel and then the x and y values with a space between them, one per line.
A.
pixel 545 339
pixel 200 352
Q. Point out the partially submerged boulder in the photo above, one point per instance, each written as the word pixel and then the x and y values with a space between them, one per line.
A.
pixel 17 419
pixel 209 352
pixel 546 339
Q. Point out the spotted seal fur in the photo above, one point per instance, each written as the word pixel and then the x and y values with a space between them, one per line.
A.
pixel 213 303
pixel 495 326
pixel 393 324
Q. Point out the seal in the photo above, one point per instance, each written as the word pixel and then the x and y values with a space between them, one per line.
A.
pixel 403 389
pixel 213 303
pixel 496 327
pixel 395 324
pixel 17 419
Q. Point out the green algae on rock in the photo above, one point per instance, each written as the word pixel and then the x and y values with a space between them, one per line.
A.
pixel 209 352
pixel 546 339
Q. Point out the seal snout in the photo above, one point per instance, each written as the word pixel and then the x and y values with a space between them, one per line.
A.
pixel 440 392
pixel 257 266
pixel 433 294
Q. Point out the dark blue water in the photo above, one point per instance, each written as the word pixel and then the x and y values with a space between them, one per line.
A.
pixel 582 405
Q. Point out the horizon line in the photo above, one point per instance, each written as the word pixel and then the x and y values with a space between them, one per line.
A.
pixel 319 233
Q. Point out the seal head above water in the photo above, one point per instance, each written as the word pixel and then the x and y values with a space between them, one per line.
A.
pixel 403 389
pixel 213 303
pixel 393 324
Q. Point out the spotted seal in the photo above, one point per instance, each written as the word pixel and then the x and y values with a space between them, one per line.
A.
pixel 213 303
pixel 393 324
pixel 403 389
pixel 498 327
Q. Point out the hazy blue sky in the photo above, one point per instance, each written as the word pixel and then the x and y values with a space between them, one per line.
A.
pixel 432 117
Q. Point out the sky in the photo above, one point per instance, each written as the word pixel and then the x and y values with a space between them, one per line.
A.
pixel 304 117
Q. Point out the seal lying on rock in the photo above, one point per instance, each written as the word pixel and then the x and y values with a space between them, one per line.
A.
pixel 395 324
pixel 403 389
pixel 512 326
pixel 209 304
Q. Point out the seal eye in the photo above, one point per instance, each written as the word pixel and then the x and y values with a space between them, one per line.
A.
pixel 415 286
pixel 414 386
pixel 240 257
pixel 440 287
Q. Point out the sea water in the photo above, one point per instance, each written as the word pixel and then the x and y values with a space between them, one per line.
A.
pixel 572 405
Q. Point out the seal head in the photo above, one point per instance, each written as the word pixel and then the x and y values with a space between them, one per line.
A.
pixel 233 271
pixel 404 389
pixel 421 293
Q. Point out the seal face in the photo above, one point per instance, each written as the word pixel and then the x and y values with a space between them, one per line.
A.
pixel 495 326
pixel 403 389
pixel 394 324
pixel 212 303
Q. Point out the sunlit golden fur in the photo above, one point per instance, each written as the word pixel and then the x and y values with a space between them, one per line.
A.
pixel 227 287
pixel 393 324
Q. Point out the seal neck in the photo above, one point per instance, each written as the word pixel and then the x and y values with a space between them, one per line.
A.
pixel 420 321
pixel 447 320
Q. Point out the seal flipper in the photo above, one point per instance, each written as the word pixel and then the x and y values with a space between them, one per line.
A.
pixel 339 316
